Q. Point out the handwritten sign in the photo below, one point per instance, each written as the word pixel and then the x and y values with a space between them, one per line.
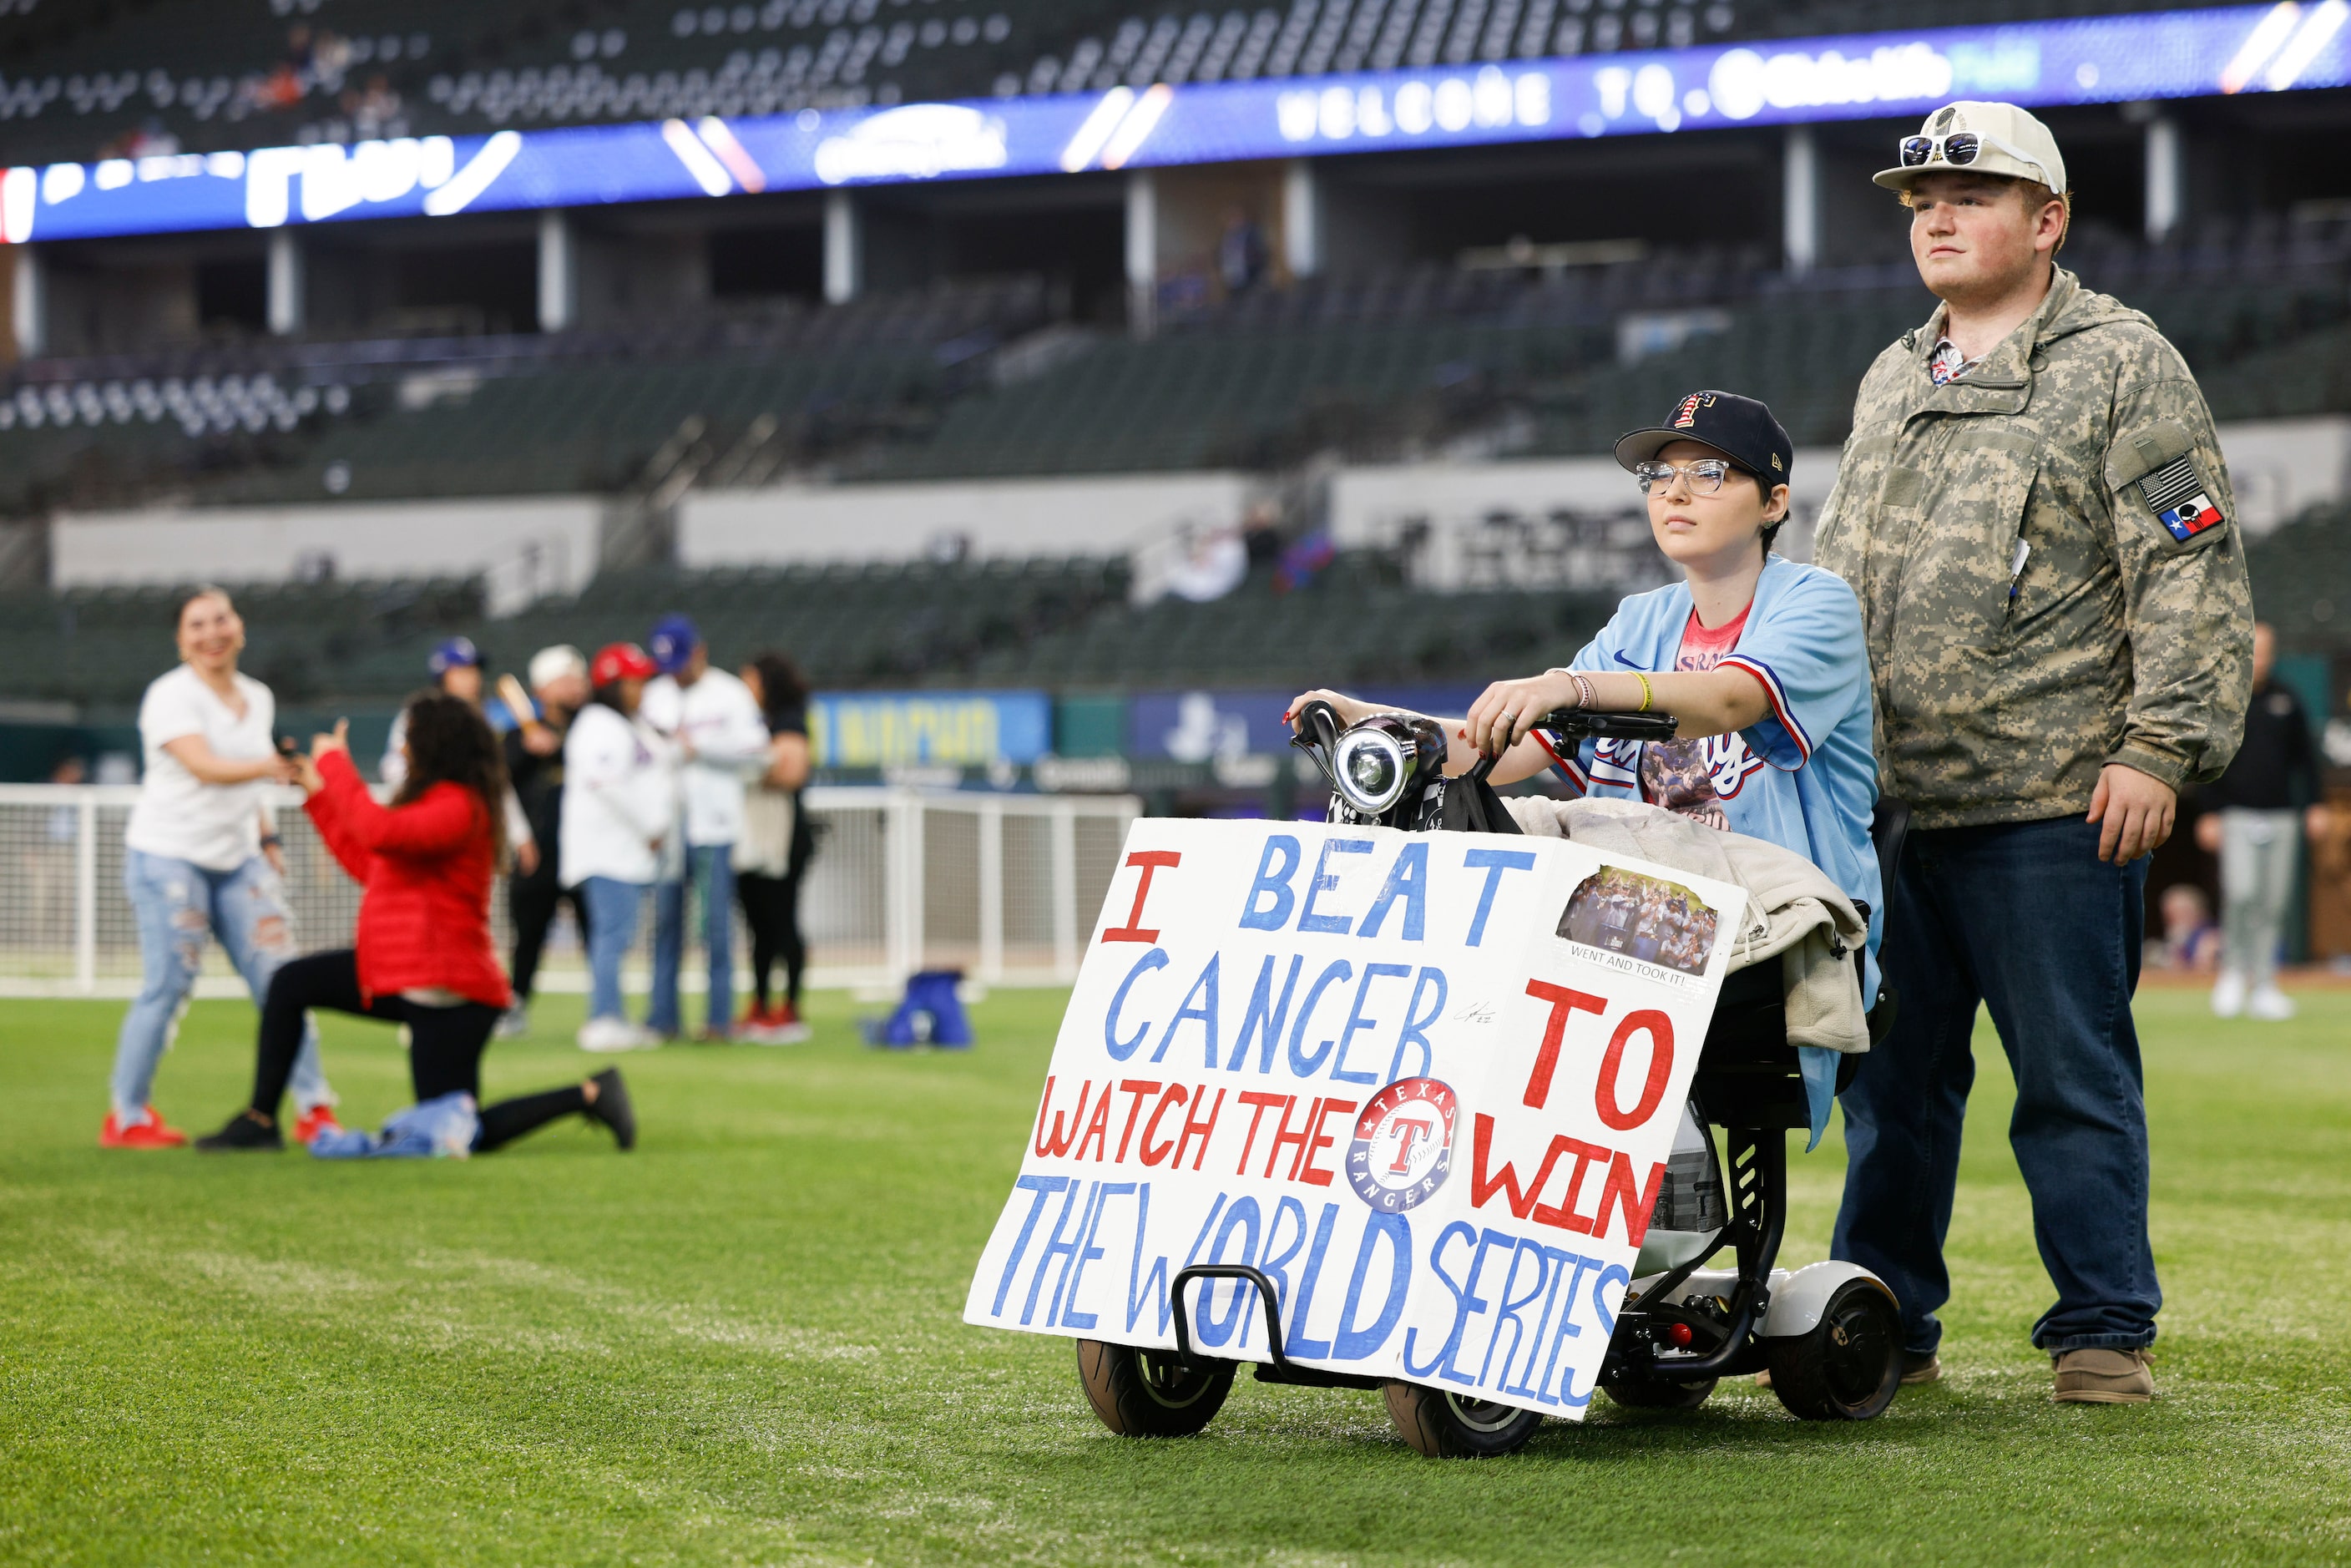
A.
pixel 1427 1083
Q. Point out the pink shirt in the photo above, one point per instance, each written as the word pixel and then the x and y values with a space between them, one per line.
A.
pixel 1679 774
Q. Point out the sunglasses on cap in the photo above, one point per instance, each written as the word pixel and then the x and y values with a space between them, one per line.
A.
pixel 1961 148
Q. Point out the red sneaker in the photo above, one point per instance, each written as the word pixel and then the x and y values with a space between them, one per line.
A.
pixel 787 1028
pixel 150 1131
pixel 318 1119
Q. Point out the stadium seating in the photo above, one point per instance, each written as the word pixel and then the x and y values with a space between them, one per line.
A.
pixel 305 641
pixel 1054 623
pixel 2301 581
pixel 270 421
pixel 855 625
pixel 1373 366
pixel 175 75
pixel 1356 622
pixel 1061 623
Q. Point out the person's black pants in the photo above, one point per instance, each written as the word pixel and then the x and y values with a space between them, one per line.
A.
pixel 532 901
pixel 771 907
pixel 445 1050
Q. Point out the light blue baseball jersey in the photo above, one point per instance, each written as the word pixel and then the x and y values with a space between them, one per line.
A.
pixel 1805 775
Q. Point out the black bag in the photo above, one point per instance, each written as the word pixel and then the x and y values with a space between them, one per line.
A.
pixel 1470 805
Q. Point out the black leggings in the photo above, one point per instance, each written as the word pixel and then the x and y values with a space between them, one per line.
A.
pixel 445 1050
pixel 771 906
pixel 532 901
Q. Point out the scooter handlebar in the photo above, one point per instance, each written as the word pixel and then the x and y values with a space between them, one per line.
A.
pixel 1575 723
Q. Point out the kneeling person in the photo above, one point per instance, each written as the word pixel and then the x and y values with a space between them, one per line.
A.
pixel 423 956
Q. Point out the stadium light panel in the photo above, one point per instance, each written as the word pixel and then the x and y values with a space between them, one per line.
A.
pixel 2091 60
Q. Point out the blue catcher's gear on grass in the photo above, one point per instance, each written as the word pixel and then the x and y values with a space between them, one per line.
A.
pixel 931 1012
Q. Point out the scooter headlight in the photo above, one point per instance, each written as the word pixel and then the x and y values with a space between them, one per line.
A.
pixel 1372 770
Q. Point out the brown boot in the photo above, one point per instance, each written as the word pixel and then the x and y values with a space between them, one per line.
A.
pixel 2103 1377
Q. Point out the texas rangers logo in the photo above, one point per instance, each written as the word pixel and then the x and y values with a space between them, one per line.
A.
pixel 1404 1144
pixel 1686 416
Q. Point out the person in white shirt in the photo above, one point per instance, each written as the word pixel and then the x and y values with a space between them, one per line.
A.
pixel 722 745
pixel 200 855
pixel 620 808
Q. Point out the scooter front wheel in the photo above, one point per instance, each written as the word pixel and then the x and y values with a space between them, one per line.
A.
pixel 1444 1425
pixel 1150 1393
pixel 1848 1365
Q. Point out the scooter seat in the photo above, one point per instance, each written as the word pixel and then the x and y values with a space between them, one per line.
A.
pixel 1747 1073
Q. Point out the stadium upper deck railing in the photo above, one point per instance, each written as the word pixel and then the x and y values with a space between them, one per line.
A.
pixel 999 886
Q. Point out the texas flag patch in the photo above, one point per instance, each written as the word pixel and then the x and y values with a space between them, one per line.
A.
pixel 2177 495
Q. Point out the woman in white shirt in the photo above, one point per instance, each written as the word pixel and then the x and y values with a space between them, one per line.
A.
pixel 201 855
pixel 620 802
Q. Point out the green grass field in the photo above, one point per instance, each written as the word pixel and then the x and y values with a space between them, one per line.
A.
pixel 742 1344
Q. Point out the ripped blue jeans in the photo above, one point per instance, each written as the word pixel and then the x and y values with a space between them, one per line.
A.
pixel 177 903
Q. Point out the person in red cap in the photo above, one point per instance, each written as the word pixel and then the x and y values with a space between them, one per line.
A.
pixel 422 955
pixel 619 802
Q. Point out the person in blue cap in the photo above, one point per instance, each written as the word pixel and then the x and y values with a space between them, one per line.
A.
pixel 456 665
pixel 721 738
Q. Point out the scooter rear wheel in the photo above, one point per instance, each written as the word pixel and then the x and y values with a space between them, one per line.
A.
pixel 1847 1366
pixel 1150 1392
pixel 1444 1425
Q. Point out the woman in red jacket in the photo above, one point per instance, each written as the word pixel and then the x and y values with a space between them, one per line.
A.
pixel 423 956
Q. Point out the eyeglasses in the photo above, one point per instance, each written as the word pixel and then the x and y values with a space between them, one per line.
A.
pixel 1704 477
pixel 1960 149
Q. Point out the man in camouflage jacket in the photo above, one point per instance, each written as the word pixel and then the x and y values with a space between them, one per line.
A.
pixel 2039 527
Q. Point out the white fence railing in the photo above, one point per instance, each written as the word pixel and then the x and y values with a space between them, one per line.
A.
pixel 999 886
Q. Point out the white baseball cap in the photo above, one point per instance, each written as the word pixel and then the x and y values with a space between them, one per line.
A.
pixel 551 664
pixel 1980 138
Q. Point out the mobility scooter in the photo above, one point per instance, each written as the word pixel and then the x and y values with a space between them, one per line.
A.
pixel 1829 1333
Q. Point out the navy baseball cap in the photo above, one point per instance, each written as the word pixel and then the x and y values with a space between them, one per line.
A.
pixel 452 653
pixel 1740 428
pixel 672 643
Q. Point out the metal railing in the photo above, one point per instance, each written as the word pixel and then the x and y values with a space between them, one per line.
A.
pixel 998 886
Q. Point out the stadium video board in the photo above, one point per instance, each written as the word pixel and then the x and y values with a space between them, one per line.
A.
pixel 2183 54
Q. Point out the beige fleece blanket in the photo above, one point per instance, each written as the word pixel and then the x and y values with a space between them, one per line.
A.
pixel 1794 913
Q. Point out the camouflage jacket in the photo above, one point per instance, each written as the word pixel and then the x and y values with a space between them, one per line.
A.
pixel 2046 555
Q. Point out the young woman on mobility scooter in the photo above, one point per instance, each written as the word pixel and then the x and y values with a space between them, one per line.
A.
pixel 1763 664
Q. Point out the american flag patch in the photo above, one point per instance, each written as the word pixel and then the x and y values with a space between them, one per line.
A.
pixel 2177 497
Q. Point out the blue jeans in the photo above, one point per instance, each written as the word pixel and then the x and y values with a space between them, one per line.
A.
pixel 2024 918
pixel 612 906
pixel 176 904
pixel 710 868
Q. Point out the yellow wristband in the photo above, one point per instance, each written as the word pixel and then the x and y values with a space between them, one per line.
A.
pixel 1649 698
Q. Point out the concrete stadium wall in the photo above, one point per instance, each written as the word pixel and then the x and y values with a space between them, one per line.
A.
pixel 527 546
pixel 1372 506
pixel 1091 516
pixel 532 547
pixel 2277 469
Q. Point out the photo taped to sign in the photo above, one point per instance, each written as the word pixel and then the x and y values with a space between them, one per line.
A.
pixel 1644 918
